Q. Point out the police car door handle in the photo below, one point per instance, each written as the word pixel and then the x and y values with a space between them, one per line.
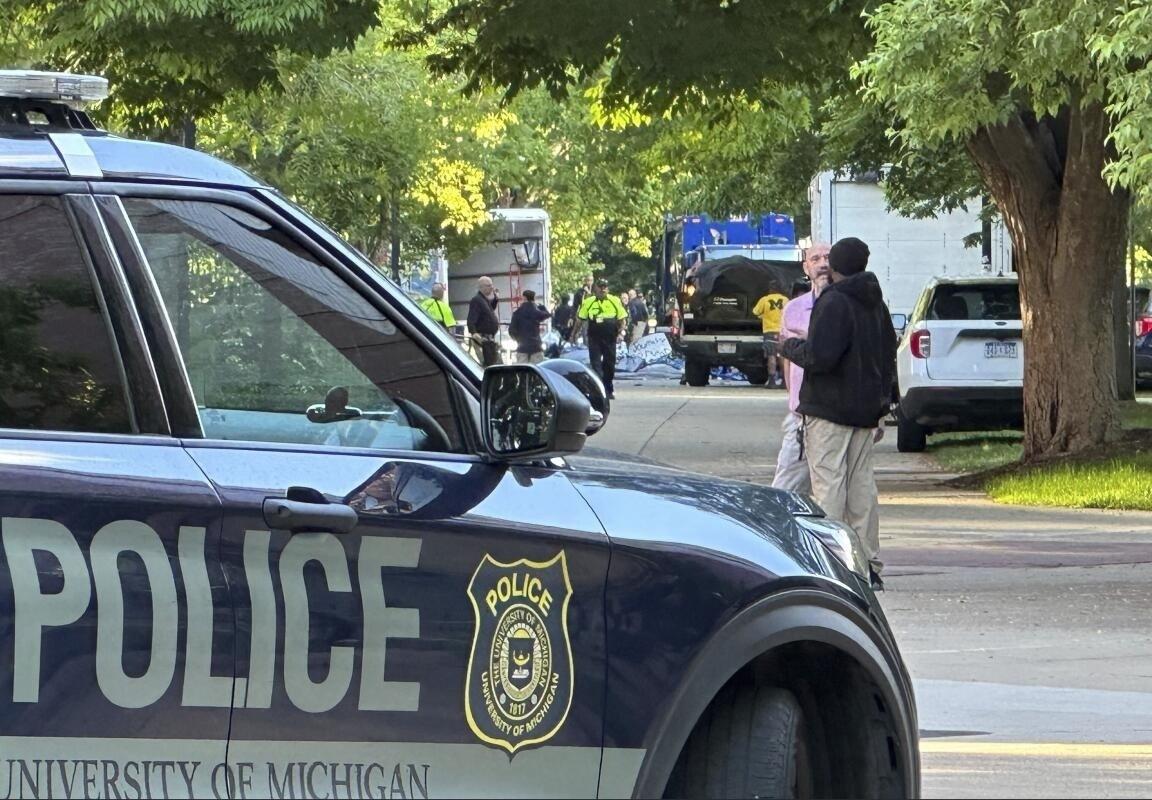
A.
pixel 298 516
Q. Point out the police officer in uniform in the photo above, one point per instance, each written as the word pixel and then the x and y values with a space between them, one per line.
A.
pixel 605 318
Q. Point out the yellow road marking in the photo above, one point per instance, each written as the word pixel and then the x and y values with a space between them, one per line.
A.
pixel 1038 749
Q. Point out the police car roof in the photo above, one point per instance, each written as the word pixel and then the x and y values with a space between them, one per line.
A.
pixel 92 155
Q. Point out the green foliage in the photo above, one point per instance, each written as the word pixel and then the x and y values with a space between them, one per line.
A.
pixel 170 59
pixel 1120 48
pixel 345 124
pixel 659 54
pixel 953 66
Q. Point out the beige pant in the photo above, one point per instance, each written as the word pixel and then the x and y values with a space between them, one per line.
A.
pixel 791 465
pixel 529 358
pixel 840 461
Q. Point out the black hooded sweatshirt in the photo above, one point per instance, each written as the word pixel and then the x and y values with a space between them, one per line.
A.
pixel 849 357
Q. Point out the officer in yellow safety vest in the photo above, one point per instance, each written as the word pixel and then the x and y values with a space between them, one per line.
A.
pixel 605 317
pixel 437 309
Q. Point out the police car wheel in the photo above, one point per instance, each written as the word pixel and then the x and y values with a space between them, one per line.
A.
pixel 750 743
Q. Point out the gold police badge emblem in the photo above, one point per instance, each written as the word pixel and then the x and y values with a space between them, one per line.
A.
pixel 520 678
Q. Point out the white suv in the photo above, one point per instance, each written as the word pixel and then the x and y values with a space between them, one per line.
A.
pixel 961 361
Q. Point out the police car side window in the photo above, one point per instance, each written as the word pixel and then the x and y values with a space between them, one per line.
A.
pixel 58 365
pixel 277 347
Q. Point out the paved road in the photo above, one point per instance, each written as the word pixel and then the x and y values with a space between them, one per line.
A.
pixel 1028 631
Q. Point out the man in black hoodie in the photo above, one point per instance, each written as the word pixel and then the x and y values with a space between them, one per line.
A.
pixel 524 328
pixel 849 361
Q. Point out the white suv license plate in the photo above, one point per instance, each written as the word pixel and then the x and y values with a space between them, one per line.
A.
pixel 1000 350
pixel 726 348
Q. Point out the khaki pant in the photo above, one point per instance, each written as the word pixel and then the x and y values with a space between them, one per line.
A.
pixel 791 465
pixel 840 461
pixel 638 329
pixel 529 358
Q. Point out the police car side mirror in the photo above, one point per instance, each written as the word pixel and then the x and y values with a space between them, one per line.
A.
pixel 589 384
pixel 528 413
pixel 899 322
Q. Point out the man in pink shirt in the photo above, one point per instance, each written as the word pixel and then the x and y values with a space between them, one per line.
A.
pixel 791 466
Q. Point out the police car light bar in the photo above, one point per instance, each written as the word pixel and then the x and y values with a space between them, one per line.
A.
pixel 53 86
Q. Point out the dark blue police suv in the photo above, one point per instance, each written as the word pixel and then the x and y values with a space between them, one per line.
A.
pixel 268 532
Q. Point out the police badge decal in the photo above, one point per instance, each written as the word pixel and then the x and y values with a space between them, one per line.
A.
pixel 520 678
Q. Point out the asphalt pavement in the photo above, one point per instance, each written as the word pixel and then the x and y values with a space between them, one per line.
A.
pixel 1026 630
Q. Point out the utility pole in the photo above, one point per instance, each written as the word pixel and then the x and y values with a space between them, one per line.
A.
pixel 395 232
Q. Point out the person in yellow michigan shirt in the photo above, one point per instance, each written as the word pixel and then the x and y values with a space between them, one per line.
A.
pixel 770 310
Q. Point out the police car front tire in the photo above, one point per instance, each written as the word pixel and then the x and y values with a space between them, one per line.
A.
pixel 750 743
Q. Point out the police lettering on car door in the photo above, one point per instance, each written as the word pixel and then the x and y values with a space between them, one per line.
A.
pixel 90 767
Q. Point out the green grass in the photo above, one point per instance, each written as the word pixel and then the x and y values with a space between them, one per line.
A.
pixel 1124 482
pixel 972 452
pixel 1121 482
pixel 1137 414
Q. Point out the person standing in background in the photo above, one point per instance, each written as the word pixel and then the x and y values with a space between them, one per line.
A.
pixel 791 466
pixel 563 317
pixel 849 361
pixel 770 309
pixel 638 316
pixel 524 328
pixel 582 294
pixel 483 323
pixel 605 317
pixel 437 308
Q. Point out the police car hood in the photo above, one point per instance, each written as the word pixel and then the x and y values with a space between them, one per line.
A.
pixel 642 501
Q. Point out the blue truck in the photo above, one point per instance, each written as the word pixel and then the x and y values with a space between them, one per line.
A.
pixel 712 273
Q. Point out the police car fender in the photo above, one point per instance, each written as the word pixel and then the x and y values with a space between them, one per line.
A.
pixel 790 616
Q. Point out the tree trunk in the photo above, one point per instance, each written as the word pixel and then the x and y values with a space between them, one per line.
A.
pixel 1068 229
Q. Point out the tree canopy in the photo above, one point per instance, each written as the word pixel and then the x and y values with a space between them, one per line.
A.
pixel 170 59
pixel 1030 101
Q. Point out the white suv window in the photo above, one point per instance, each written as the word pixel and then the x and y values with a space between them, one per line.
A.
pixel 277 347
pixel 967 301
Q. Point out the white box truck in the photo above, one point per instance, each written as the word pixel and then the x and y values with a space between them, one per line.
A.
pixel 517 258
pixel 906 252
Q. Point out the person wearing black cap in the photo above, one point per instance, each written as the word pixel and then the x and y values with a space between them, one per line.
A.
pixel 849 362
pixel 524 328
pixel 604 317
